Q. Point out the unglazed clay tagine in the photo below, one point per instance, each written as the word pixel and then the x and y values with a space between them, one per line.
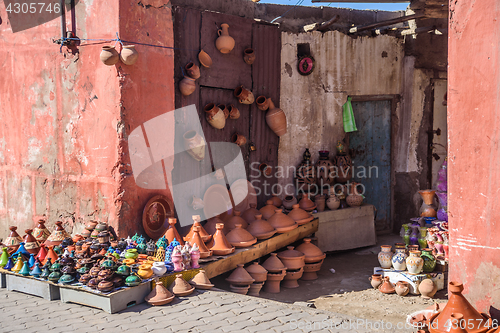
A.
pixel 257 272
pixel 306 203
pixel 281 222
pixel 268 210
pixel 291 258
pixel 180 287
pixel 250 214
pixel 205 236
pixel 196 239
pixel 201 281
pixel 299 215
pixel 261 228
pixel 172 232
pixel 312 252
pixel 273 264
pixel 240 238
pixel 240 277
pixel 234 220
pixel 159 295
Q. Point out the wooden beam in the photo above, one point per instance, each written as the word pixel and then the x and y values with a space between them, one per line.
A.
pixel 243 256
pixel 385 23
pixel 416 31
pixel 367 1
pixel 321 26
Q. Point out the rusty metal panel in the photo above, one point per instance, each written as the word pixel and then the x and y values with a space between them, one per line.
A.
pixel 228 70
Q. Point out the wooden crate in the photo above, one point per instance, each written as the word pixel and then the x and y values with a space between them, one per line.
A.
pixel 32 286
pixel 112 302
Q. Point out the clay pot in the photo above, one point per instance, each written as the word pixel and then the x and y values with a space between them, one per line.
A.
pixel 221 245
pixel 249 56
pixel 159 268
pixel 172 232
pixel 344 167
pixel 257 272
pixel 427 288
pixel 204 59
pixel 292 259
pixel 180 287
pixel 240 238
pixel 354 200
pixel 262 103
pixel 238 139
pixel 272 284
pixel 243 95
pixel 289 201
pixel 299 215
pixel 333 202
pixel 240 277
pixel 159 295
pixel 385 256
pixel 306 204
pixel 109 56
pixel 320 202
pixel 57 236
pixel 310 271
pixel 265 169
pixel 268 210
pixel 261 228
pixel 276 119
pixel 281 222
pixel 239 289
pixel 224 43
pixel 428 208
pixel 30 243
pixel 375 280
pixel 273 264
pixel 234 113
pixel 250 214
pixel 215 116
pixel 291 277
pixel 402 288
pixel 201 281
pixel 187 86
pixel 457 303
pixel 387 287
pixel 234 220
pixel 224 110
pixel 205 236
pixel 198 240
pixel 194 145
pixel 91 225
pixel 255 289
pixel 192 70
pixel 129 55
pixel 41 233
pixel 312 252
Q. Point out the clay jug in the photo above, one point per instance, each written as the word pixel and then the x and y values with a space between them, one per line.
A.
pixel 234 220
pixel 289 202
pixel 172 232
pixel 129 55
pixel 385 256
pixel 399 258
pixel 109 56
pixel 261 228
pixel 145 271
pixel 428 209
pixel 268 210
pixel 414 263
pixel 262 103
pixel 243 95
pixel 276 119
pixel 224 43
pixel 375 280
pixel 427 288
pixel 249 214
pixel 320 202
pixel 215 116
pixel 192 70
pixel 187 86
pixel 402 288
pixel 387 287
pixel 234 113
pixel 429 260
pixel 220 245
pixel 224 110
pixel 14 240
pixel 195 145
pixel 238 139
pixel 333 202
pixel 204 59
pixel 249 56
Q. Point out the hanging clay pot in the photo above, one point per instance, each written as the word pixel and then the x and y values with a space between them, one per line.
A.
pixel 192 70
pixel 243 95
pixel 30 243
pixel 268 210
pixel 224 43
pixel 276 119
pixel 402 288
pixel 172 232
pixel 240 277
pixel 205 236
pixel 109 56
pixel 291 277
pixel 238 139
pixel 299 215
pixel 427 288
pixel 375 280
pixel 204 59
pixel 197 239
pixel 289 201
pixel 129 54
pixel 201 281
pixel 57 236
pixel 224 110
pixel 194 145
pixel 272 284
pixel 180 287
pixel 262 103
pixel 257 272
pixel 220 245
pixel 387 287
pixel 13 240
pixel 240 238
pixel 292 259
pixel 159 295
pixel 265 169
pixel 281 222
pixel 234 113
pixel 250 214
pixel 215 116
pixel 187 86
pixel 306 204
pixel 261 228
pixel 249 56
pixel 41 233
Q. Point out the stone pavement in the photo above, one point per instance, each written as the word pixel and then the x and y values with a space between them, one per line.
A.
pixel 202 311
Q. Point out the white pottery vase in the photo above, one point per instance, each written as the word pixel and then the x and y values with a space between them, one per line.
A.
pixel 385 256
pixel 159 268
pixel 414 263
pixel 399 259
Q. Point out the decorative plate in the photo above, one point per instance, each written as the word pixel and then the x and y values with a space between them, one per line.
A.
pixel 217 202
pixel 305 65
pixel 243 194
pixel 156 212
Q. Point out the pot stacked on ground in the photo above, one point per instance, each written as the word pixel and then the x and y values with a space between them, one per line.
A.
pixel 276 272
pixel 294 262
pixel 314 258
pixel 259 274
pixel 240 280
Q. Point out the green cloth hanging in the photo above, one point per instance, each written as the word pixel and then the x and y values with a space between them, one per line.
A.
pixel 348 116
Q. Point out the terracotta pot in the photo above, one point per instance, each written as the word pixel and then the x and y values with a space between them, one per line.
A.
pixel 262 103
pixel 427 288
pixel 344 167
pixel 198 240
pixel 402 288
pixel 234 113
pixel 192 70
pixel 224 43
pixel 91 225
pixel 299 215
pixel 292 259
pixel 239 289
pixel 268 210
pixel 261 229
pixel 201 281
pixel 240 238
pixel 195 145
pixel 109 56
pixel 289 201
pixel 105 286
pixel 250 214
pixel 129 55
pixel 257 272
pixel 354 200
pixel 243 95
pixel 385 256
pixel 187 86
pixel 277 202
pixel 310 271
pixel 387 287
pixel 180 287
pixel 276 119
pixel 281 222
pixel 325 170
pixel 234 220
pixel 255 289
pixel 428 208
pixel 376 280
pixel 312 252
pixel 172 232
pixel 204 59
pixel 221 245
pixel 291 277
pixel 273 264
pixel 333 202
pixel 414 264
pixel 41 233
pixel 215 116
pixel 249 56
pixel 240 277
pixel 205 236
pixel 159 295
pixel 224 110
pixel 319 200
pixel 272 284
pixel 306 203
pixel 238 139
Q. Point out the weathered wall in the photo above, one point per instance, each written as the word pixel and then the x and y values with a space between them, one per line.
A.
pixel 58 123
pixel 474 153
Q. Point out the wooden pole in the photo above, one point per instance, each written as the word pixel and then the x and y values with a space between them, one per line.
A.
pixel 385 23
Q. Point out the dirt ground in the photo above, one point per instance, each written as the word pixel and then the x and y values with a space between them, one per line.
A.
pixel 348 290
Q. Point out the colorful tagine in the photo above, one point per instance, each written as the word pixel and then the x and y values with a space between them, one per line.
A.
pixel 13 241
pixel 261 229
pixel 239 237
pixel 281 222
pixel 268 210
pixel 220 246
pixel 30 243
pixel 57 236
pixel 41 233
pixel 299 215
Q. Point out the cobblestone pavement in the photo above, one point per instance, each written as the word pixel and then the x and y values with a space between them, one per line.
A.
pixel 202 311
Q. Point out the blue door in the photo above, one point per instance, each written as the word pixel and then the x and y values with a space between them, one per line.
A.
pixel 371 155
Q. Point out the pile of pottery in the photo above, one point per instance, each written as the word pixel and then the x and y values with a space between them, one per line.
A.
pixel 294 262
pixel 276 272
pixel 313 259
pixel 427 232
pixel 259 274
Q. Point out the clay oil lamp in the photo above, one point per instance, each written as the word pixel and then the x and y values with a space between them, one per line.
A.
pixel 249 214
pixel 220 246
pixel 260 228
pixel 268 210
pixel 257 272
pixel 105 286
pixel 387 287
pixel 306 204
pixel 292 259
pixel 299 215
pixel 240 238
pixel 277 202
pixel 13 240
pixel 57 236
pixel 201 281
pixel 172 232
pixel 41 233
pixel 234 220
pixel 313 258
pixel 205 236
pixel 196 239
pixel 180 287
pixel 159 295
pixel 291 277
pixel 281 222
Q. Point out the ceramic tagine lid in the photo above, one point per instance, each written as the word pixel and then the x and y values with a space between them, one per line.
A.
pixel 268 210
pixel 240 277
pixel 159 295
pixel 312 252
pixel 306 203
pixel 41 233
pixel 299 215
pixel 261 228
pixel 180 287
pixel 30 243
pixel 239 237
pixel 220 246
pixel 258 273
pixel 57 236
pixel 172 232
pixel 201 281
pixel 291 258
pixel 249 214
pixel 13 241
pixel 234 220
pixel 281 222
pixel 205 236
pixel 273 264
pixel 277 202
